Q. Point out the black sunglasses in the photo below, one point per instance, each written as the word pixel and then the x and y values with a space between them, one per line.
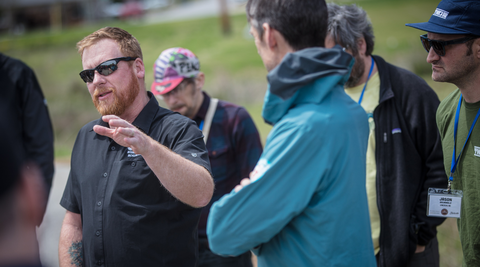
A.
pixel 439 46
pixel 106 68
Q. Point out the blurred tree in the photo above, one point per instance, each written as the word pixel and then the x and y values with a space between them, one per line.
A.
pixel 224 18
pixel 56 16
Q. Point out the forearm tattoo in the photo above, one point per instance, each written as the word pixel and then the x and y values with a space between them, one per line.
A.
pixel 76 253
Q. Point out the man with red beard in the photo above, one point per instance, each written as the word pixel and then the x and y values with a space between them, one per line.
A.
pixel 404 154
pixel 138 175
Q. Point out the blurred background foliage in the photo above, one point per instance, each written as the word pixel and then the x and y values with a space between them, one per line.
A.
pixel 233 69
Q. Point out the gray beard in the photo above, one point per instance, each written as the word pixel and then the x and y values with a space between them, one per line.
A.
pixel 357 72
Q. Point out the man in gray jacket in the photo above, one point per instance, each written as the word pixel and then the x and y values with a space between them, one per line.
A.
pixel 404 155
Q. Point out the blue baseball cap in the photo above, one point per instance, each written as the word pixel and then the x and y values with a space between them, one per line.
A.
pixel 453 17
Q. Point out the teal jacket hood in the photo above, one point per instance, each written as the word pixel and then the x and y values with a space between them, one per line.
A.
pixel 305 76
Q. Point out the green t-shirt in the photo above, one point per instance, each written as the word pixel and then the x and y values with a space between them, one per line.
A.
pixel 467 174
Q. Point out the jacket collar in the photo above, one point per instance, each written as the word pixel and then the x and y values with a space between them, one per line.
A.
pixel 386 91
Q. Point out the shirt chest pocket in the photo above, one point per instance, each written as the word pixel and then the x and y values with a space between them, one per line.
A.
pixel 132 180
pixel 219 162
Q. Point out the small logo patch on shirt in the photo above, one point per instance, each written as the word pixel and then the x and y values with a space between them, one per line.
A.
pixel 260 169
pixel 131 154
pixel 440 13
pixel 396 131
pixel 477 151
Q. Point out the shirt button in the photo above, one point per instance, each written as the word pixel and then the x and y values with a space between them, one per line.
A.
pixel 113 148
pixel 105 175
pixel 194 155
pixel 99 203
pixel 97 233
pixel 99 263
pixel 133 164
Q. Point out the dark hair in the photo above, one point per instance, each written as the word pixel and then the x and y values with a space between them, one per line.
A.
pixel 303 23
pixel 188 81
pixel 347 24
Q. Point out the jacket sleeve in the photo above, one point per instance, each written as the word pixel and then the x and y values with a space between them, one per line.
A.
pixel 279 191
pixel 248 147
pixel 37 127
pixel 420 111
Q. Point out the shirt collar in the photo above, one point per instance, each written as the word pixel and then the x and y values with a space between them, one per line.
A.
pixel 202 112
pixel 145 119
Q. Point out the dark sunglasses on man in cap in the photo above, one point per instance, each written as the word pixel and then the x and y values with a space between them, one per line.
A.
pixel 106 68
pixel 439 46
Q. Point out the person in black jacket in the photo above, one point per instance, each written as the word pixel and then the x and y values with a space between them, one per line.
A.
pixel 404 157
pixel 22 99
pixel 22 201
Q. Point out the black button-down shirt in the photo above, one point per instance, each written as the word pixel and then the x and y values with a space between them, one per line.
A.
pixel 129 218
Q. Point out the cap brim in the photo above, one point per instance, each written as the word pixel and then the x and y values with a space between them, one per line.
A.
pixel 434 28
pixel 161 88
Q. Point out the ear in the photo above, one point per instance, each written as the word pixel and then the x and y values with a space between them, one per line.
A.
pixel 476 47
pixel 269 36
pixel 139 68
pixel 362 46
pixel 199 81
pixel 33 193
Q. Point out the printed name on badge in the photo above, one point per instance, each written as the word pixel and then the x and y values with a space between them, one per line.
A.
pixel 444 203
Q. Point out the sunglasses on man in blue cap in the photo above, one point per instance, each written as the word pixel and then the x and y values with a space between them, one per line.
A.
pixel 439 46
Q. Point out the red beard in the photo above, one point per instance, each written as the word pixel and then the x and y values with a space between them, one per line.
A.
pixel 121 102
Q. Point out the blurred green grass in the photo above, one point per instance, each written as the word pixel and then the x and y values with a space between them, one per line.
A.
pixel 233 69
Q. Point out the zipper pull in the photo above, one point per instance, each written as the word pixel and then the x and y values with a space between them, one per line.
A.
pixel 384 137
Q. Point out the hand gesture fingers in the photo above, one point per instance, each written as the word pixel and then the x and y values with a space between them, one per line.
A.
pixel 114 121
pixel 243 183
pixel 122 132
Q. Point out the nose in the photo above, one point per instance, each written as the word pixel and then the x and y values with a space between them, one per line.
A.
pixel 432 56
pixel 98 79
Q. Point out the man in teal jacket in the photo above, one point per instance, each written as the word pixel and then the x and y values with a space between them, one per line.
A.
pixel 305 202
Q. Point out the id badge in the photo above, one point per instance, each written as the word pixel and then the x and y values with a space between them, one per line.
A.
pixel 444 203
